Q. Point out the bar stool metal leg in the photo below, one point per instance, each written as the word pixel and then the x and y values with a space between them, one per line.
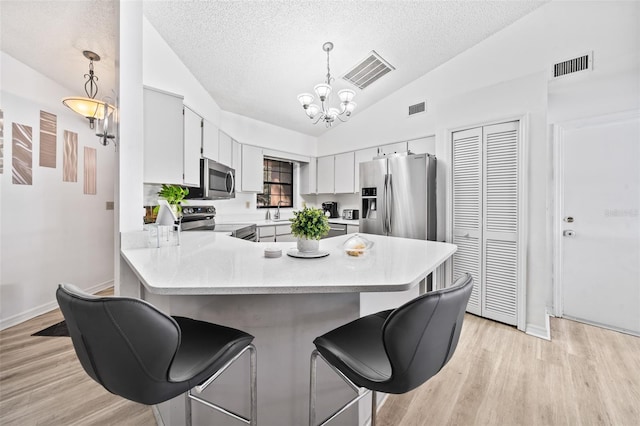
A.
pixel 187 410
pixel 374 408
pixel 252 421
pixel 253 360
pixel 312 391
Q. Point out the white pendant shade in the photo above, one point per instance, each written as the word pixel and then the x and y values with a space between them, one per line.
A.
pixel 87 107
pixel 305 99
pixel 313 110
pixel 350 107
pixel 322 90
pixel 346 95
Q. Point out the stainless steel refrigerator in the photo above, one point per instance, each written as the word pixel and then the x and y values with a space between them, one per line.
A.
pixel 398 196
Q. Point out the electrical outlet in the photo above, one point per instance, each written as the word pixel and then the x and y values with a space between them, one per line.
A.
pixel 247 204
pixel 109 205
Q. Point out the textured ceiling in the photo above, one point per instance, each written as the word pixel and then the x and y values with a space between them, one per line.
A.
pixel 49 36
pixel 255 57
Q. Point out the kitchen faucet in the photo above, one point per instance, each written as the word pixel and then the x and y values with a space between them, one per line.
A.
pixel 277 214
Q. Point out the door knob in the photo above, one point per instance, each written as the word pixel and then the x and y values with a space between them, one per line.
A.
pixel 568 233
pixel 568 219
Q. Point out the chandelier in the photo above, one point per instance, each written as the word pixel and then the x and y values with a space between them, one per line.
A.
pixel 323 112
pixel 89 107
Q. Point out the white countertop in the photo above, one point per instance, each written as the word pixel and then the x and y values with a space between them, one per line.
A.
pixel 211 263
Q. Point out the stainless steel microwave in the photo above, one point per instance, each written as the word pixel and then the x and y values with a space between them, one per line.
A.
pixel 217 181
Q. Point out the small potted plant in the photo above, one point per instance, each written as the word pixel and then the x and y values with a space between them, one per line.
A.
pixel 174 194
pixel 309 225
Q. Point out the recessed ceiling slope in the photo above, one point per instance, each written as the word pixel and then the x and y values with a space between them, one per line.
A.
pixel 254 57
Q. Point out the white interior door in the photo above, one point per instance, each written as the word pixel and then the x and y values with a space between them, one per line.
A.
pixel 600 246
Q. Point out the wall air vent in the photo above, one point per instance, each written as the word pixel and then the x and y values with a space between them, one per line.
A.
pixel 368 71
pixel 570 66
pixel 417 108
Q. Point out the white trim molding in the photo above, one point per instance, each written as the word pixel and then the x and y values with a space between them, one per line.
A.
pixel 46 307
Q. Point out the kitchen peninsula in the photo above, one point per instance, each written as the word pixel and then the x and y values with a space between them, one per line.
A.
pixel 284 302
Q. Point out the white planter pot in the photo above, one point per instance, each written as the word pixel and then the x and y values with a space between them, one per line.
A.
pixel 308 246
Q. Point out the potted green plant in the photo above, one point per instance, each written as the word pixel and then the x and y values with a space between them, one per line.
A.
pixel 309 225
pixel 174 194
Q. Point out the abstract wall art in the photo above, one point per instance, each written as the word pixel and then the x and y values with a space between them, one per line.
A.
pixel 22 147
pixel 90 170
pixel 48 129
pixel 70 157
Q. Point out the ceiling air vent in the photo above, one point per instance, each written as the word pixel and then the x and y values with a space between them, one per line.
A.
pixel 368 71
pixel 417 108
pixel 570 66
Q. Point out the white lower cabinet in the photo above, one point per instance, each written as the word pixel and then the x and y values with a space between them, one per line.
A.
pixel 275 233
pixel 267 234
pixel 352 229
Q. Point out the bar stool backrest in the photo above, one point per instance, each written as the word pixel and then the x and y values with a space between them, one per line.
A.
pixel 124 344
pixel 421 336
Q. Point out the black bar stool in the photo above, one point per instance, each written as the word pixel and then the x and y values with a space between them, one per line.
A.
pixel 135 351
pixel 393 351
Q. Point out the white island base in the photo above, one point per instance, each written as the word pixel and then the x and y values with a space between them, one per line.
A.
pixel 285 303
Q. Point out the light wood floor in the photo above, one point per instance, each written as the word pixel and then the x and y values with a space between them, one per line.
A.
pixel 43 383
pixel 498 376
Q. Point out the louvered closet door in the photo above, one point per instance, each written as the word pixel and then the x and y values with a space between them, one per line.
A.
pixel 467 209
pixel 500 224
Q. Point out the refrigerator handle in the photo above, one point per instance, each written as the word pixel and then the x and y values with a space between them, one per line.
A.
pixel 384 202
pixel 390 205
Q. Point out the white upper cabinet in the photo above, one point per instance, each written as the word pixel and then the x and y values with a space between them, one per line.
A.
pixel 192 147
pixel 225 151
pixel 361 156
pixel 210 141
pixel 308 176
pixel 236 163
pixel 163 126
pixel 344 173
pixel 252 169
pixel 326 175
pixel 423 145
pixel 392 148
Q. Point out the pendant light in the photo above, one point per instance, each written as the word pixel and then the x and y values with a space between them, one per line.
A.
pixel 89 107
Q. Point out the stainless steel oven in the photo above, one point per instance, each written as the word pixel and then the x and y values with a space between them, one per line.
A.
pixel 202 218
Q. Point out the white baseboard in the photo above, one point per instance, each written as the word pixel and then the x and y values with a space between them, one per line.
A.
pixel 44 308
pixel 540 332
